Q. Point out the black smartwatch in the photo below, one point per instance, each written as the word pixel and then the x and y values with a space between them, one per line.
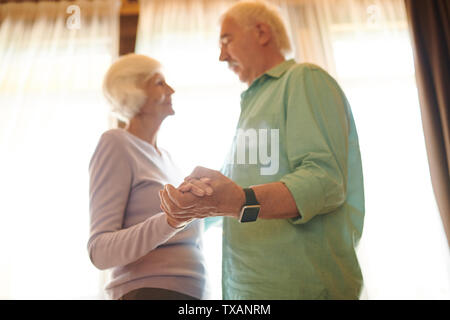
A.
pixel 250 210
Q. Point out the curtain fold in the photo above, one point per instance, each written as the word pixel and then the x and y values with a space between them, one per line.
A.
pixel 51 115
pixel 430 32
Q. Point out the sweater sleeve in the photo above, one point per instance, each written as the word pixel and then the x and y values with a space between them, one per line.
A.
pixel 111 174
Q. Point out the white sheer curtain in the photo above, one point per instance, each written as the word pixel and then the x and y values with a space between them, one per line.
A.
pixel 365 45
pixel 51 115
pixel 308 26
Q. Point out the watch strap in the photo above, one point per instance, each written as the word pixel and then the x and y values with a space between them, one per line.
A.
pixel 250 197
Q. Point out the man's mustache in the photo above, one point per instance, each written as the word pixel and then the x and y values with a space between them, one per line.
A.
pixel 232 64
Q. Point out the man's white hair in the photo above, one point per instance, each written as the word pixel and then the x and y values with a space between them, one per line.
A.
pixel 250 12
pixel 124 82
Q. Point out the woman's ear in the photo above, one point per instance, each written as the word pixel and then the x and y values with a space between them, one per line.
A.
pixel 264 33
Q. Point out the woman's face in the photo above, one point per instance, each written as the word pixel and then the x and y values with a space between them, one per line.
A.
pixel 159 101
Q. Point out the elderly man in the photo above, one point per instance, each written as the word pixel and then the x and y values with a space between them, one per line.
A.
pixel 290 230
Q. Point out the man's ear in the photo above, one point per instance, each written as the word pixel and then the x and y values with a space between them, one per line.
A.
pixel 264 33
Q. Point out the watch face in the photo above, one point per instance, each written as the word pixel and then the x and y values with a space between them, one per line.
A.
pixel 250 213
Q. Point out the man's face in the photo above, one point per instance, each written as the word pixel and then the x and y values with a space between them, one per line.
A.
pixel 238 47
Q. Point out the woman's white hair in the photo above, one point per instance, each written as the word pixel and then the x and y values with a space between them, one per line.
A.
pixel 124 82
pixel 250 12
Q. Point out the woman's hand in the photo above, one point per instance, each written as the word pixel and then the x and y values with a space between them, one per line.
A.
pixel 198 187
pixel 227 200
pixel 174 222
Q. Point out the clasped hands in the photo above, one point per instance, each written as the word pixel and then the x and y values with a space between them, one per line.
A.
pixel 204 193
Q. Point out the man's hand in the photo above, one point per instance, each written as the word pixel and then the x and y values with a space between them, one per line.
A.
pixel 199 187
pixel 227 198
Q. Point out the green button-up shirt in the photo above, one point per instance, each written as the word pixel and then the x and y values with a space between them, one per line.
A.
pixel 296 126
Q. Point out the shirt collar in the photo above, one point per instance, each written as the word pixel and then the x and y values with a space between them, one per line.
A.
pixel 280 68
pixel 275 72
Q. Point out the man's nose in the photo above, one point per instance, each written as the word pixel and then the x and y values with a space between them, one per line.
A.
pixel 223 54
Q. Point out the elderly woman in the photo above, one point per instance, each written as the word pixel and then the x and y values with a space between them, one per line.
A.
pixel 151 255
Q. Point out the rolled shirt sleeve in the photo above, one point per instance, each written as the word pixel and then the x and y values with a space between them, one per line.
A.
pixel 316 142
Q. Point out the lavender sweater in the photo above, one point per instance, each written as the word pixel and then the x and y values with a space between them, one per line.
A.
pixel 128 232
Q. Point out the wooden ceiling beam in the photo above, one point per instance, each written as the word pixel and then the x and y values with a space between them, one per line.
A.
pixel 129 16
